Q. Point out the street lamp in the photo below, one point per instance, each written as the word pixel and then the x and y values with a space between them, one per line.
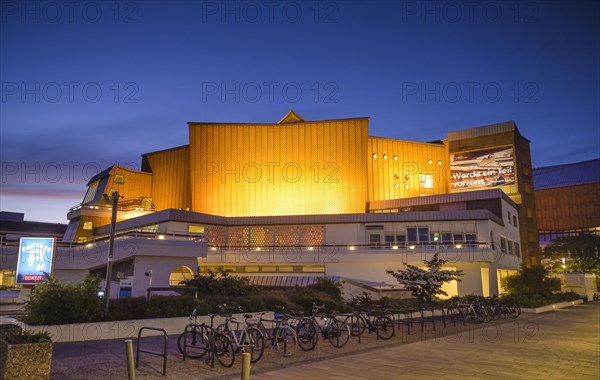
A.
pixel 113 200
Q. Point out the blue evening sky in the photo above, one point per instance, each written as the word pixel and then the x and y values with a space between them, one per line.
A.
pixel 86 84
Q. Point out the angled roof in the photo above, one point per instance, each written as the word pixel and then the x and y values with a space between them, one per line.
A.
pixel 578 173
pixel 291 117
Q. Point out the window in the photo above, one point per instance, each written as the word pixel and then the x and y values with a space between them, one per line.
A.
pixel 426 181
pixel 412 234
pixel 511 250
pixel 515 220
pixel 88 226
pixel 91 192
pixel 374 240
pixel 434 237
pixel 195 229
pixel 471 238
pixel 517 250
pixel 529 213
pixel 390 239
pixel 509 218
pixel 459 238
pixel 400 238
pixel 423 234
pixel 447 237
pixel 503 245
pixel 119 178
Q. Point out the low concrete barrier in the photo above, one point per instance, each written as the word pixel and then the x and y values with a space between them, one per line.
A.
pixel 81 332
pixel 554 306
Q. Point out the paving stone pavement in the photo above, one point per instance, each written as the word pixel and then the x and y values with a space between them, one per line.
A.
pixel 563 344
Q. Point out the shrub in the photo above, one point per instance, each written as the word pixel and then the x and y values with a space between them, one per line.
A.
pixel 538 300
pixel 20 336
pixel 53 302
pixel 127 308
pixel 220 282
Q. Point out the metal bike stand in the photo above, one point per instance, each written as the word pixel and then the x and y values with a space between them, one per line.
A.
pixel 163 354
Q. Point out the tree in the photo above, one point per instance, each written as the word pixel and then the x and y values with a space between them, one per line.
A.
pixel 580 253
pixel 531 281
pixel 426 284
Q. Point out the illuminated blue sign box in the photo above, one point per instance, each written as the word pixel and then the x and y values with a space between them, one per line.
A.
pixel 35 258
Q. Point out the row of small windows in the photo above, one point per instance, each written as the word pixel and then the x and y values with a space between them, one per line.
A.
pixel 510 247
pixel 424 235
pixel 395 158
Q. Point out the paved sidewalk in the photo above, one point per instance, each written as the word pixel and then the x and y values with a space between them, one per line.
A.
pixel 564 344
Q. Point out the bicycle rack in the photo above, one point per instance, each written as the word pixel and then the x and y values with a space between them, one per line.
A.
pixel 163 354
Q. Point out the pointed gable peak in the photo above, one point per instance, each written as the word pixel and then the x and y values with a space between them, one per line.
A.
pixel 291 117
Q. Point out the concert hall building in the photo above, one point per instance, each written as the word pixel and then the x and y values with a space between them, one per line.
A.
pixel 286 202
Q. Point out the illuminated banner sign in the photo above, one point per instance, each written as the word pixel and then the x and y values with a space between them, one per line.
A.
pixel 482 168
pixel 35 258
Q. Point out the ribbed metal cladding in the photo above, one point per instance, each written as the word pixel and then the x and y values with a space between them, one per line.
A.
pixel 397 168
pixel 171 178
pixel 507 126
pixel 279 169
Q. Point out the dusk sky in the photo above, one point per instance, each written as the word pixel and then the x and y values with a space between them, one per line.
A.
pixel 86 84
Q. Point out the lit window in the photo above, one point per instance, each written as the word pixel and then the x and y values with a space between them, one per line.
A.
pixel 195 229
pixel 426 181
pixel 119 178
pixel 88 226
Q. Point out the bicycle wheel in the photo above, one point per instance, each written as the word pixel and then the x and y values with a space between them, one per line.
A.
pixel 307 335
pixel 255 340
pixel 285 341
pixel 514 311
pixel 223 349
pixel 192 344
pixel 356 323
pixel 338 333
pixel 384 327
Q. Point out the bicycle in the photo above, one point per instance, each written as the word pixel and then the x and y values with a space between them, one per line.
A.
pixel 308 330
pixel 244 336
pixel 281 336
pixel 360 321
pixel 198 339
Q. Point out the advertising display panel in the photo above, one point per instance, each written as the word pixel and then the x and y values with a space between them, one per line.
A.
pixel 482 169
pixel 35 259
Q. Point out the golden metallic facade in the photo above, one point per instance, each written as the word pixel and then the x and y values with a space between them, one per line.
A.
pixel 401 169
pixel 290 168
pixel 170 178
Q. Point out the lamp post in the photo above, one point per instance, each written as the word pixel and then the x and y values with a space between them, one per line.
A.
pixel 114 201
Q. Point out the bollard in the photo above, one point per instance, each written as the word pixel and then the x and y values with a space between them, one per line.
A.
pixel 130 364
pixel 246 366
